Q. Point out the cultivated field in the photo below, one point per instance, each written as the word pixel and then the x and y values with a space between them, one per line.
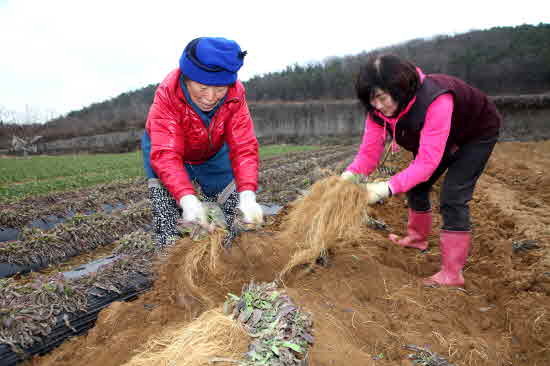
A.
pixel 362 292
pixel 38 175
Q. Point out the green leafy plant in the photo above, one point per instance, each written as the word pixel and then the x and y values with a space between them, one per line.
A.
pixel 281 332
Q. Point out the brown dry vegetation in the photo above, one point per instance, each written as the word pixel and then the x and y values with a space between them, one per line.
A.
pixel 364 296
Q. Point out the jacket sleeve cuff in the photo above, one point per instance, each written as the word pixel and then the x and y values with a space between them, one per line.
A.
pixel 393 187
pixel 247 187
pixel 184 192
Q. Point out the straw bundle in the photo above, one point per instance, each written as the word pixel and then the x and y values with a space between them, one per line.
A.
pixel 211 337
pixel 332 212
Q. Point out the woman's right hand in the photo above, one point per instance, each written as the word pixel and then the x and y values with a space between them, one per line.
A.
pixel 353 177
pixel 347 175
pixel 193 210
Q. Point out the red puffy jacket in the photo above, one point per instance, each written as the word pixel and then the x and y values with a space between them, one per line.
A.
pixel 178 136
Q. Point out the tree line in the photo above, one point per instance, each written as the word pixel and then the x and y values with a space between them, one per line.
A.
pixel 499 61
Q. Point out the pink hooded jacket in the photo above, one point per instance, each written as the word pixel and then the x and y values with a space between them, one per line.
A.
pixel 433 139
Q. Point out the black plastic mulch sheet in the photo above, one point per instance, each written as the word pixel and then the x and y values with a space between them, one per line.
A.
pixel 79 323
pixel 11 269
pixel 8 233
pixel 51 221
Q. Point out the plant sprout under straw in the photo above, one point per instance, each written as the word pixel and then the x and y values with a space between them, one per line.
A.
pixel 281 332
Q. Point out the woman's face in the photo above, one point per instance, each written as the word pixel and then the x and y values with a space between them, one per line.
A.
pixel 383 102
pixel 206 97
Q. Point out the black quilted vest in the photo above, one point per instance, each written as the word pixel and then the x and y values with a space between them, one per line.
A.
pixel 474 115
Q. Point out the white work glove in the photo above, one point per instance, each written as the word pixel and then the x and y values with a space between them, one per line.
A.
pixel 193 211
pixel 347 175
pixel 353 177
pixel 252 211
pixel 378 191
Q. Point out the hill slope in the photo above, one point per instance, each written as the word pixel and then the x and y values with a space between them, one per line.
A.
pixel 501 60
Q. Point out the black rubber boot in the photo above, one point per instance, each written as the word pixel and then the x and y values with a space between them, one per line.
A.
pixel 165 212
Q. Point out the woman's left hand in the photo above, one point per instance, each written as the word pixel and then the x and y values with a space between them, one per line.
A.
pixel 251 210
pixel 378 191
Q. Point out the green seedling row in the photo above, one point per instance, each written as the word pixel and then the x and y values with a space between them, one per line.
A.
pixel 13 192
pixel 275 150
pixel 37 168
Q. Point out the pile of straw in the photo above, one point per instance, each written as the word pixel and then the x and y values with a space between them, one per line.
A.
pixel 333 212
pixel 213 337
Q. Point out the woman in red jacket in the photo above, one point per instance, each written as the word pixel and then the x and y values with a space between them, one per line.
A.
pixel 199 129
pixel 449 126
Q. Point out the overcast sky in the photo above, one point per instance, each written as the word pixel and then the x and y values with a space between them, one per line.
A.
pixel 61 55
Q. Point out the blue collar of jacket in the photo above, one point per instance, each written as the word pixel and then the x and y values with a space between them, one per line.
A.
pixel 206 117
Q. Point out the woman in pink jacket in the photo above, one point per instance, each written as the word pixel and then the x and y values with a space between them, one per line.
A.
pixel 449 126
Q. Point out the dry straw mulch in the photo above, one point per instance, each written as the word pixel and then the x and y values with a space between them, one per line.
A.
pixel 332 212
pixel 207 338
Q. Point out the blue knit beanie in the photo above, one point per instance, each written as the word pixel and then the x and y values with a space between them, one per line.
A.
pixel 212 60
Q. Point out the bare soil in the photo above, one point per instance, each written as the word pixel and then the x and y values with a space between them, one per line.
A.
pixel 366 299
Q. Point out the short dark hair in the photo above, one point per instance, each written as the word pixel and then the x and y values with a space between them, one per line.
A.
pixel 391 74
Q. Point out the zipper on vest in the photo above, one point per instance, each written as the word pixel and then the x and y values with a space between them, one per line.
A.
pixel 393 144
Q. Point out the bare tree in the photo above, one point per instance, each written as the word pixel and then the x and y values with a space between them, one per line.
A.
pixel 6 115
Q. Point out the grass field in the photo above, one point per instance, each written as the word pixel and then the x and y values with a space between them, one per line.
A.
pixel 36 175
